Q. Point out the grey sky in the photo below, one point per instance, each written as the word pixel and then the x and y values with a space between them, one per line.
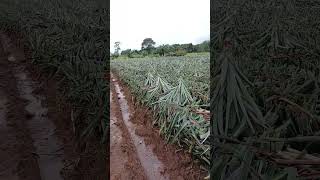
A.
pixel 165 21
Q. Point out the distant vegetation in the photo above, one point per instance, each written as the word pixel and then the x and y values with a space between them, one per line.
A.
pixel 148 49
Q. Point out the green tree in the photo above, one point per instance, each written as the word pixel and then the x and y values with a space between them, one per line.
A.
pixel 161 50
pixel 203 47
pixel 126 52
pixel 147 44
pixel 189 48
pixel 117 48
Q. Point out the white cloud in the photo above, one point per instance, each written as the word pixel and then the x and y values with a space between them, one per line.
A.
pixel 165 21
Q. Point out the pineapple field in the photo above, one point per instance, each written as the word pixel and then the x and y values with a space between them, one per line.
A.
pixel 176 92
pixel 265 90
pixel 54 115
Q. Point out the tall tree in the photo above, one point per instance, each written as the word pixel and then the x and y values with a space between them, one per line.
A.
pixel 117 48
pixel 147 44
pixel 126 52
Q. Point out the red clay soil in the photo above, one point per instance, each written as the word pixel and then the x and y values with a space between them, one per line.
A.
pixel 178 164
pixel 123 158
pixel 18 159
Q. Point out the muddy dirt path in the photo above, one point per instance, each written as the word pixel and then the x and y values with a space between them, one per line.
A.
pixel 36 136
pixel 132 127
pixel 28 117
pixel 123 159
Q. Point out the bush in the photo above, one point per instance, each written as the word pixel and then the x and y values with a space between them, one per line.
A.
pixel 135 55
pixel 180 52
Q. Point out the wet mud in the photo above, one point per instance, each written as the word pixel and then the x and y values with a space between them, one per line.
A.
pixel 124 161
pixel 153 168
pixel 44 142
pixel 36 136
pixel 17 160
pixel 42 130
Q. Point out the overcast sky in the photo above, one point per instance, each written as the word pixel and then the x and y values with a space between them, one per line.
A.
pixel 165 21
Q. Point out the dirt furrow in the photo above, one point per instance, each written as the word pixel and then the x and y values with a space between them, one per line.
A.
pixel 37 138
pixel 41 146
pixel 17 160
pixel 153 168
pixel 123 158
pixel 42 130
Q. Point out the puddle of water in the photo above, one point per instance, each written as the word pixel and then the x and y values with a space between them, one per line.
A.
pixel 42 130
pixel 118 157
pixel 151 164
pixel 115 132
pixel 11 58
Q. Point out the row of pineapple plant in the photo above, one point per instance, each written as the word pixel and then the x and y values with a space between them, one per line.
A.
pixel 265 88
pixel 194 70
pixel 177 113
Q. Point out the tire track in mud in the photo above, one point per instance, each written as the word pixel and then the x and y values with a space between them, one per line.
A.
pixel 123 159
pixel 16 159
pixel 32 133
pixel 42 130
pixel 153 168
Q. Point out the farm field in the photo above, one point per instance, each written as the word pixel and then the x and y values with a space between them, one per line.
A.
pixel 265 90
pixel 193 70
pixel 175 90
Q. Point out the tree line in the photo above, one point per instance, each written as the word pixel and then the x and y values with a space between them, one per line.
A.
pixel 148 49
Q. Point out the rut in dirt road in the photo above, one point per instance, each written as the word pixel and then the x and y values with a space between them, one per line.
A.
pixel 153 168
pixel 42 131
pixel 125 165
pixel 123 157
pixel 32 132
